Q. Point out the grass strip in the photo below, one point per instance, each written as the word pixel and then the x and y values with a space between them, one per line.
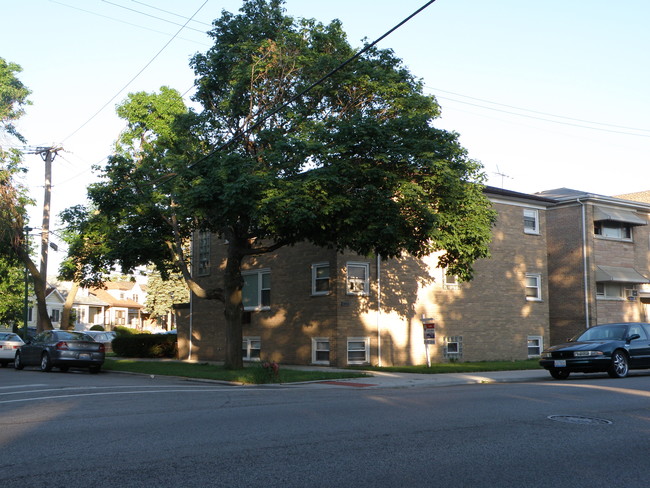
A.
pixel 253 374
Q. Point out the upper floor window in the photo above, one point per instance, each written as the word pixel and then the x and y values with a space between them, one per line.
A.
pixel 357 279
pixel 533 286
pixel 203 254
pixel 531 221
pixel 613 230
pixel 320 279
pixel 256 294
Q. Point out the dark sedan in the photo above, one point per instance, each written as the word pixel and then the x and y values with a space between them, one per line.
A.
pixel 611 348
pixel 61 349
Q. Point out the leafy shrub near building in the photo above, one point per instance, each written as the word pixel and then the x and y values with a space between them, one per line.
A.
pixel 145 345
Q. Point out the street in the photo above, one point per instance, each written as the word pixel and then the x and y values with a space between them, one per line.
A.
pixel 80 430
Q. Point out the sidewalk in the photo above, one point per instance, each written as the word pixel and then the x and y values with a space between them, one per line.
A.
pixel 381 379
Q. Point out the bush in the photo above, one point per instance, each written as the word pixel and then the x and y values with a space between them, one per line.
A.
pixel 145 345
pixel 120 330
pixel 97 327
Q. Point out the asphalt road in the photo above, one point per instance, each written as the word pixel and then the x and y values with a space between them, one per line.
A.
pixel 114 430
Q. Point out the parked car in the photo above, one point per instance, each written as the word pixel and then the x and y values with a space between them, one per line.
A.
pixel 62 349
pixel 104 336
pixel 9 344
pixel 612 348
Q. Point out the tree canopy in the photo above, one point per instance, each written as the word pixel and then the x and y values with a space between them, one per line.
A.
pixel 276 157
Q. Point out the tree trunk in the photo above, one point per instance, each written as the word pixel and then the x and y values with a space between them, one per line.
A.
pixel 67 307
pixel 233 306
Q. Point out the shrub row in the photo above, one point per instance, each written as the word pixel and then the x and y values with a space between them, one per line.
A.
pixel 144 345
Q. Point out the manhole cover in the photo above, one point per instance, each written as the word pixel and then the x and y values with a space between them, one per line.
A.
pixel 579 419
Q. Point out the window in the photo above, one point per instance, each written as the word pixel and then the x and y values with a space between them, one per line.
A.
pixel 607 289
pixel 320 350
pixel 251 347
pixel 453 347
pixel 204 254
pixel 613 230
pixel 135 298
pixel 56 315
pixel 120 317
pixel 535 346
pixel 450 281
pixel 533 287
pixel 357 278
pixel 256 293
pixel 320 279
pixel 531 221
pixel 358 348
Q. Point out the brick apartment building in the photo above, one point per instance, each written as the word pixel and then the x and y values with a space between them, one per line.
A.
pixel 308 305
pixel 599 260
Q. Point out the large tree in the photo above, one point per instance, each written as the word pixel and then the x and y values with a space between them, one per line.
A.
pixel 14 197
pixel 281 154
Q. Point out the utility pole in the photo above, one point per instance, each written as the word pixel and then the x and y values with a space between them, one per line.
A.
pixel 47 154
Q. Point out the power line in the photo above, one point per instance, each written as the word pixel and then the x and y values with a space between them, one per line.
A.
pixel 170 13
pixel 136 76
pixel 153 16
pixel 122 21
pixel 564 122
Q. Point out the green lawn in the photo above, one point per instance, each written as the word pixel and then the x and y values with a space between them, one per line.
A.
pixel 256 374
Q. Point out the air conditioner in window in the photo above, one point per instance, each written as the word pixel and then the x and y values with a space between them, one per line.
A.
pixel 631 293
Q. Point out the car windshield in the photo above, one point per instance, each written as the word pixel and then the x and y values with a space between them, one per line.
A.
pixel 606 333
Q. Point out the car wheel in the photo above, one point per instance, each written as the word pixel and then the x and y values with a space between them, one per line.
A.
pixel 46 362
pixel 18 362
pixel 94 369
pixel 560 374
pixel 619 367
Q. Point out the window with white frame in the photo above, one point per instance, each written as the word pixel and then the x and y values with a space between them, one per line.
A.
pixel 256 294
pixel 535 346
pixel 533 286
pixel 450 281
pixel 358 350
pixel 203 267
pixel 251 347
pixel 320 350
pixel 357 278
pixel 531 221
pixel 452 347
pixel 320 279
pixel 613 230
pixel 610 290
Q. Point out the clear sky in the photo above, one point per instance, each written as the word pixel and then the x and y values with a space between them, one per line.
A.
pixel 544 94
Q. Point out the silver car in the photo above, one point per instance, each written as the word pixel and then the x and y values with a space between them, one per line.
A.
pixel 62 349
pixel 9 344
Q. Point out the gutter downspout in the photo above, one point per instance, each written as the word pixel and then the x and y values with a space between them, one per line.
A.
pixel 379 310
pixel 584 262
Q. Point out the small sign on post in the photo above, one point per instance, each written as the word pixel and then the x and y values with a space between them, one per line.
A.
pixel 429 325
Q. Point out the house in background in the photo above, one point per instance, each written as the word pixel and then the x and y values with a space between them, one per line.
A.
pixel 599 260
pixel 54 301
pixel 309 305
pixel 125 301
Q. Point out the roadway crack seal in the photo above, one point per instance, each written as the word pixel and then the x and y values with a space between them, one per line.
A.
pixel 345 383
pixel 579 419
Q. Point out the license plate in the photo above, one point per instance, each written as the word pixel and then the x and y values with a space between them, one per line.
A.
pixel 559 363
pixel 84 356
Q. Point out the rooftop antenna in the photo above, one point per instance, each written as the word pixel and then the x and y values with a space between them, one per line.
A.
pixel 502 175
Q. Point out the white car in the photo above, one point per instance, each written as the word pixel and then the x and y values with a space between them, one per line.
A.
pixel 9 344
